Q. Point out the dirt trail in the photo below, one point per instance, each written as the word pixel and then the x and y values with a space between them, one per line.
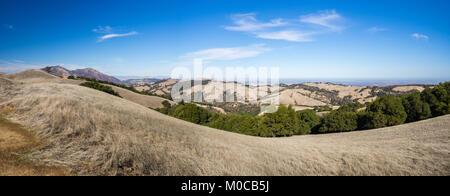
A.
pixel 15 143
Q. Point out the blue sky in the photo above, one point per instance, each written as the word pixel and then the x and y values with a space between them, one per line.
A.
pixel 306 39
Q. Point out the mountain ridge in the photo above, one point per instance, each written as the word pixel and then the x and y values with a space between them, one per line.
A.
pixel 87 73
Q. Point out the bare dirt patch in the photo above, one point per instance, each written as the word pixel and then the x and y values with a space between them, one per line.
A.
pixel 15 144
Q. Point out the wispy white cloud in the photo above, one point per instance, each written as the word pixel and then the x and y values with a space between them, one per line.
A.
pixel 420 36
pixel 248 22
pixel 228 53
pixel 110 33
pixel 294 31
pixel 103 29
pixel 327 19
pixel 294 36
pixel 376 29
pixel 114 35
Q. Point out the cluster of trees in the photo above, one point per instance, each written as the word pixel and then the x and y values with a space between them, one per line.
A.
pixel 389 111
pixel 384 111
pixel 100 87
pixel 130 88
pixel 284 122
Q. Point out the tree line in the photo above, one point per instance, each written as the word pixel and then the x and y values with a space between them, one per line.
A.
pixel 130 88
pixel 100 87
pixel 383 112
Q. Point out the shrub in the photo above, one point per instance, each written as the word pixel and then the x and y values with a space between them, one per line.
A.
pixel 236 123
pixel 166 107
pixel 284 122
pixel 385 111
pixel 438 99
pixel 309 121
pixel 339 121
pixel 100 87
pixel 192 113
pixel 415 108
pixel 351 107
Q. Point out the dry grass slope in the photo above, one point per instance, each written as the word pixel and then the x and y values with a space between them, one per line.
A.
pixel 144 100
pixel 14 143
pixel 33 76
pixel 39 76
pixel 94 133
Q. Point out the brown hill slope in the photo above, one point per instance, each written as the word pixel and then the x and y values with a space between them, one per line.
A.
pixel 14 141
pixel 39 76
pixel 144 100
pixel 33 76
pixel 95 133
pixel 4 82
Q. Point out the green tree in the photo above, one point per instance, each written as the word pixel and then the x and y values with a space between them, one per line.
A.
pixel 415 108
pixel 192 113
pixel 385 111
pixel 339 121
pixel 284 122
pixel 167 107
pixel 309 121
pixel 351 107
pixel 100 87
pixel 438 98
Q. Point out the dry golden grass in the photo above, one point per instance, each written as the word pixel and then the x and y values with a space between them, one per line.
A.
pixel 94 133
pixel 15 143
pixel 33 76
pixel 4 82
pixel 408 88
pixel 144 100
pixel 39 76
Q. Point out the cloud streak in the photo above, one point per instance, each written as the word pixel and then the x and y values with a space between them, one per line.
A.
pixel 326 19
pixel 420 36
pixel 248 22
pixel 109 33
pixel 294 36
pixel 296 30
pixel 228 53
pixel 115 35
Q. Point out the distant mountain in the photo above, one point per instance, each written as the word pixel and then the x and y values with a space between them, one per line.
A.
pixel 58 71
pixel 87 73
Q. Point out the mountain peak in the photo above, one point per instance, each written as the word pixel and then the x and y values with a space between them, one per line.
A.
pixel 87 73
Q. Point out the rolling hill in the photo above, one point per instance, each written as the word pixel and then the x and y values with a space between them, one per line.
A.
pixel 303 96
pixel 40 76
pixel 94 133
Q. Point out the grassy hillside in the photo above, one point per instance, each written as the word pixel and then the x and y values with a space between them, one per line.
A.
pixel 39 76
pixel 15 143
pixel 94 133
